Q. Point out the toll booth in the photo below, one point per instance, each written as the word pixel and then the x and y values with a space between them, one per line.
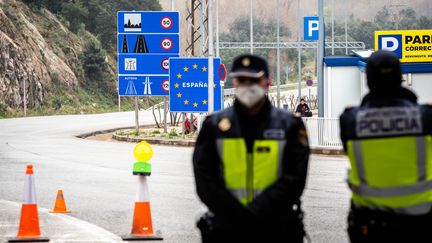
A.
pixel 345 82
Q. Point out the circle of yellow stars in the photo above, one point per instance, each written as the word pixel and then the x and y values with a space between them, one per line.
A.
pixel 177 85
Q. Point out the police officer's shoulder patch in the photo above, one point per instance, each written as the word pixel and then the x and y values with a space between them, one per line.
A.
pixel 224 124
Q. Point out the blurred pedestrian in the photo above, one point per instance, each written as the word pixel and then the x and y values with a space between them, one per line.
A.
pixel 303 109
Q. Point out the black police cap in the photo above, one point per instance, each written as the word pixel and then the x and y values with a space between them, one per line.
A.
pixel 250 66
pixel 383 71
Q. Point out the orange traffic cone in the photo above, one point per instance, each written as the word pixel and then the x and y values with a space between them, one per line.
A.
pixel 60 204
pixel 29 223
pixel 142 227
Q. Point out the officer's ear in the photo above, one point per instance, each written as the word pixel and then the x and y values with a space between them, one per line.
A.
pixel 268 83
pixel 235 82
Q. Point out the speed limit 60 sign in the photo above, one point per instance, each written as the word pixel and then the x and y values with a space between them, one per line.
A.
pixel 146 41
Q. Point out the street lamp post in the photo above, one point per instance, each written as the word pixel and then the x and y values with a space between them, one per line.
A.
pixel 210 59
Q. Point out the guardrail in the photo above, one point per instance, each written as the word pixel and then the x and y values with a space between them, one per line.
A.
pixel 273 88
pixel 323 132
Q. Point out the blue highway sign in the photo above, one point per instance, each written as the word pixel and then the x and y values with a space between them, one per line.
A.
pixel 144 64
pixel 189 85
pixel 148 22
pixel 143 85
pixel 145 42
pixel 148 43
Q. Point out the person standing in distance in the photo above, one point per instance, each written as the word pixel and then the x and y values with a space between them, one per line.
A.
pixel 388 140
pixel 250 164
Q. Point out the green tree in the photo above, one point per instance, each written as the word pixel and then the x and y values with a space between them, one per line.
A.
pixel 94 63
pixel 75 14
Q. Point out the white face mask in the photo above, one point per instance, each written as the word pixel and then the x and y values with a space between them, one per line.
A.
pixel 249 96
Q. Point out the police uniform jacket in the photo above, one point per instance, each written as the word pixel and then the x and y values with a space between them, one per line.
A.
pixel 388 141
pixel 272 207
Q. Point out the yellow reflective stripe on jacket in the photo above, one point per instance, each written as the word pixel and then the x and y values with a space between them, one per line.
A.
pixel 266 158
pixel 392 172
pixel 233 153
pixel 247 175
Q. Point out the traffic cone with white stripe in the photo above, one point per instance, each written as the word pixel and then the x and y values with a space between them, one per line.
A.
pixel 142 226
pixel 60 203
pixel 29 230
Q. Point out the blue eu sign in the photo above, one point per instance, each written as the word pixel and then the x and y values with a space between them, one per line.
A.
pixel 146 41
pixel 189 85
pixel 311 28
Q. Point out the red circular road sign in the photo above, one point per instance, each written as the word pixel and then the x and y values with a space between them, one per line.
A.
pixel 222 72
pixel 165 85
pixel 166 22
pixel 165 64
pixel 309 82
pixel 166 43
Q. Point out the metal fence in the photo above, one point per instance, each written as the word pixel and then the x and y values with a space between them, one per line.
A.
pixel 323 132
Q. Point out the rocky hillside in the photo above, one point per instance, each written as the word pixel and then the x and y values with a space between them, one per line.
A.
pixel 31 52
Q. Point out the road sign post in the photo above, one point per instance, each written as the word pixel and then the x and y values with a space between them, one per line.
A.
pixel 320 59
pixel 210 89
pixel 309 84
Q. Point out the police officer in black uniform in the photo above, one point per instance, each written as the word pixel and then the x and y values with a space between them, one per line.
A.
pixel 388 141
pixel 250 163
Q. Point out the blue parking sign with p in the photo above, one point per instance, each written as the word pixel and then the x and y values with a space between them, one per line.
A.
pixel 391 43
pixel 311 28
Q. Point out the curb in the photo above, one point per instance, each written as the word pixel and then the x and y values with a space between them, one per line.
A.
pixel 155 141
pixel 86 135
pixel 189 143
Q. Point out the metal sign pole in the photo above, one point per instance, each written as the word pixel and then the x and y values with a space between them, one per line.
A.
pixel 217 28
pixel 136 116
pixel 165 114
pixel 25 97
pixel 251 25
pixel 332 27
pixel 320 59
pixel 299 52
pixel 278 54
pixel 165 98
pixel 183 125
pixel 346 27
pixel 210 59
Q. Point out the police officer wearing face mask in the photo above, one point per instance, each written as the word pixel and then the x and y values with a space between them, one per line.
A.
pixel 250 164
pixel 388 140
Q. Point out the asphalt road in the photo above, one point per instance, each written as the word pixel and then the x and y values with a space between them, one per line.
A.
pixel 100 189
